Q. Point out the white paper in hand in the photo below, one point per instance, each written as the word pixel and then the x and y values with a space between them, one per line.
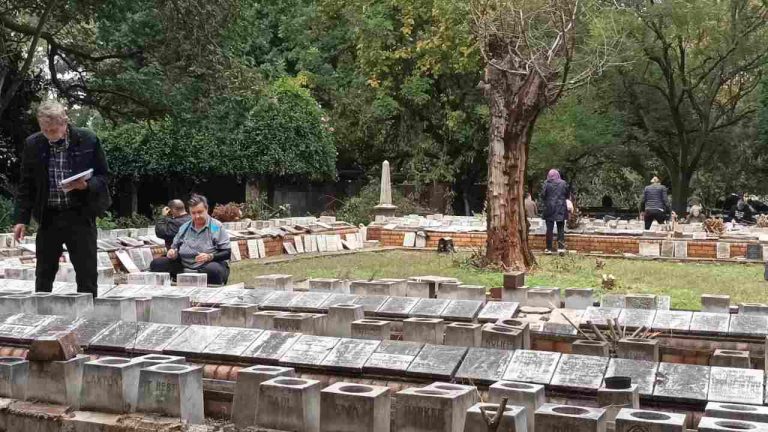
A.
pixel 85 175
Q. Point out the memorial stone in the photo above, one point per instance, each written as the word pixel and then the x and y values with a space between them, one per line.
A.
pixel 730 359
pixel 392 357
pixel 591 347
pixel 118 337
pixel 640 301
pixel 280 300
pixel 308 302
pixel 723 250
pixel 232 343
pixel 236 314
pixel 736 385
pixel 192 341
pixel 543 297
pixel 528 396
pixel 425 330
pixel 494 311
pixel 295 322
pixel 650 248
pixel 246 399
pixel 350 355
pixel 710 323
pixel 289 404
pixel 121 308
pixel 707 424
pixel 613 301
pixel 636 318
pixel 328 285
pixel 754 252
pixel 429 410
pixel 346 407
pixel 682 382
pixel 532 366
pixel 397 307
pixel 748 325
pixel 201 316
pixel 14 376
pixel 501 337
pixel 57 382
pixel 753 309
pixel 642 373
pixel 737 412
pixel 638 349
pixel 370 304
pixel 341 317
pixel 513 419
pixel 270 346
pixel 264 320
pixel 672 321
pixel 599 316
pixel 429 308
pixel 280 282
pixel 484 365
pixel 420 289
pixel 462 292
pixel 18 303
pixel 461 310
pixel 173 390
pixel 635 420
pixel 155 337
pixel 579 372
pixel 613 400
pixel 578 298
pixel 309 351
pixel 667 249
pixel 166 309
pixel 192 280
pixel 463 334
pixel 110 384
pixel 371 329
pixel 551 417
pixel 437 362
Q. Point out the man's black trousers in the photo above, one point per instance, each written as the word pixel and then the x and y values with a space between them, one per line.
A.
pixel 218 272
pixel 78 232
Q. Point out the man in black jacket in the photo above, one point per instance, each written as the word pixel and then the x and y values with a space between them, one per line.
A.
pixel 174 216
pixel 66 213
pixel 654 206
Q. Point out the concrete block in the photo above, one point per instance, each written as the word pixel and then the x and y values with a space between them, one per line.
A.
pixel 143 308
pixel 640 301
pixel 264 320
pixel 462 292
pixel 512 420
pixel 753 308
pixel 236 314
pixel 613 400
pixel 158 359
pixel 591 347
pixel 198 280
pixel 578 298
pixel 279 282
pixel 528 396
pixel 501 337
pixel 715 303
pixel 553 417
pixel 289 404
pixel 371 329
pixel 18 303
pixel 429 410
pixel 469 395
pixel 543 297
pixel 58 346
pixel 70 305
pixel 631 420
pixel 524 327
pixel 329 285
pixel 737 412
pixel 340 319
pixel 515 295
pixel 371 288
pixel 730 358
pixel 514 279
pixel 711 424
pixel 201 316
pixel 427 330
pixel 246 400
pixel 173 390
pixel 420 289
pixel 348 407
pixel 397 286
pixel 166 309
pixel 463 334
pixel 14 375
pixel 110 384
pixel 57 382
pixel 638 349
pixel 114 308
pixel 295 322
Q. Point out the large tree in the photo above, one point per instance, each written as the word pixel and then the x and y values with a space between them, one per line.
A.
pixel 690 68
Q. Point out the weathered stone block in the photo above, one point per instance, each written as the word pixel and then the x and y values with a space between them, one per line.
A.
pixel 329 285
pixel 529 396
pixel 18 303
pixel 166 309
pixel 429 410
pixel 173 390
pixel 463 334
pixel 59 346
pixel 246 400
pixel 112 308
pixel 613 400
pixel 354 407
pixel 715 303
pixel 279 282
pixel 552 417
pixel 631 420
pixel 236 314
pixel 199 280
pixel 427 330
pixel 513 418
pixel 56 382
pixel 524 327
pixel 289 404
pixel 543 297
pixel 578 298
pixel 264 320
pixel 514 280
pixel 709 424
pixel 201 316
pixel 71 305
pixel 420 289
pixel 591 347
pixel 158 359
pixel 110 384
pixel 737 412
pixel 730 358
pixel 753 308
pixel 143 308
pixel 14 375
pixel 640 301
pixel 638 349
pixel 371 329
pixel 501 337
pixel 340 319
pixel 295 322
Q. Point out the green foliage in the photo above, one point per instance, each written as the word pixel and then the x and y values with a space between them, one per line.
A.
pixel 259 209
pixel 6 214
pixel 106 222
pixel 359 208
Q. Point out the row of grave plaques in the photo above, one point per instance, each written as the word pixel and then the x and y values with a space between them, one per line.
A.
pixel 661 381
pixel 679 249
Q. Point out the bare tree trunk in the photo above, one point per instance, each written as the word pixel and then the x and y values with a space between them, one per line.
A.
pixel 681 190
pixel 515 104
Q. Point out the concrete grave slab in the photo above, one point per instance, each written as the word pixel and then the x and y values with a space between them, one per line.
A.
pixel 484 365
pixel 748 325
pixel 350 355
pixel 429 308
pixel 392 357
pixel 155 337
pixel 309 302
pixel 461 310
pixel 192 340
pixel 613 301
pixel 532 366
pixel 370 303
pixel 681 382
pixel 736 385
pixel 672 321
pixel 280 300
pixel 335 299
pixel 636 318
pixel 437 362
pixel 579 372
pixel 119 337
pixel 715 303
pixel 707 323
pixel 578 298
pixel 232 342
pixel 309 351
pixel 494 311
pixel 270 346
pixel 643 373
pixel 640 301
pixel 397 307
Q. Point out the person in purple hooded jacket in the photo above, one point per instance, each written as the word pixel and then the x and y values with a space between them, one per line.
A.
pixel 554 195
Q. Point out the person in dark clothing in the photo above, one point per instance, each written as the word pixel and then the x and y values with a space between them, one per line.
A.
pixel 554 195
pixel 201 246
pixel 174 216
pixel 743 212
pixel 66 212
pixel 655 203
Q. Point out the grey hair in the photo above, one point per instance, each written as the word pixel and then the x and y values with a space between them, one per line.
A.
pixel 52 110
pixel 197 200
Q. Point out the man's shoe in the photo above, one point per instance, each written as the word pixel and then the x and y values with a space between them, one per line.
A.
pixel 561 252
pixel 547 252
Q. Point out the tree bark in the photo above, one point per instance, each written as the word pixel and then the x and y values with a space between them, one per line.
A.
pixel 515 103
pixel 681 190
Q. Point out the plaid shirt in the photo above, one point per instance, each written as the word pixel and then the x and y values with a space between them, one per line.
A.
pixel 58 170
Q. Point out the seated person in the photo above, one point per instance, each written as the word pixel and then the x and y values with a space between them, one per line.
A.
pixel 201 246
pixel 174 216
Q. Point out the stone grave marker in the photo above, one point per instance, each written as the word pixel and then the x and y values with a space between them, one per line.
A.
pixel 126 261
pixel 335 299
pixel 350 355
pixel 308 302
pixel 232 342
pixel 299 244
pixel 290 249
pixel 672 321
pixel 667 248
pixel 322 245
pixel 612 301
pixel 138 258
pixel 650 249
pixel 256 296
pixel 484 365
pixel 599 316
pixel 532 366
pixel 461 310
pixel 663 302
pixel 253 249
pixel 397 307
pixel 88 329
pixel 642 372
pixel 155 337
pixel 681 248
pixel 370 304
pixel 581 372
pixel 723 250
pixel 754 252
pixel 262 248
pixel 494 311
pixel 309 351
pixel 429 308
pixel 409 239
pixel 736 385
pixel 235 251
pixel 270 346
pixel 682 382
pixel 392 357
pixel 636 318
pixel 710 323
pixel 119 337
pixel 280 300
pixel 748 325
pixel 193 340
pixel 437 362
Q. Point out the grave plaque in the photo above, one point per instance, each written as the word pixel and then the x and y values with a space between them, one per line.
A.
pixel 429 308
pixel 309 351
pixel 613 301
pixel 672 321
pixel 15 333
pixel 119 337
pixel 193 340
pixel 202 295
pixel 663 302
pixel 227 295
pixel 156 336
pixel 409 239
pixel 437 362
pixel 681 248
pixel 636 318
pixel 262 248
pixel 723 250
pixel 270 346
pixel 748 325
pixel 667 248
pixel 754 252
pixel 232 342
pixel 461 310
pixel 532 366
pixel 642 372
pixel 253 249
pixel 398 307
pixel 56 326
pixel 370 304
pixel 484 365
pixel 583 372
pixel 559 316
pixel 392 357
pixel 29 320
pixel 681 382
pixel 350 355
pixel 599 316
pixel 736 385
pixel 256 296
pixel 649 249
pixel 337 299
pixel 554 328
pixel 710 323
pixel 280 300
pixel 88 329
pixel 309 302
pixel 496 310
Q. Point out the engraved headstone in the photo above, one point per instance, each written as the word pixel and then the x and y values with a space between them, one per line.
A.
pixel 120 336
pixel 649 249
pixel 270 346
pixel 280 300
pixel 667 248
pixel 429 308
pixel 723 250
pixel 437 361
pixel 335 299
pixel 309 302
pixel 599 316
pixel 253 249
pixel 392 357
pixel 494 311
pixel 681 248
pixel 642 372
pixel 155 337
pixel 232 342
pixel 736 385
pixel 193 340
pixel 309 351
pixel 636 318
pixel 350 355
pixel 710 323
pixel 581 372
pixel 754 252
pixel 409 239
pixel 398 307
pixel 262 248
pixel 532 366
pixel 672 321
pixel 681 382
pixel 484 365
pixel 748 325
pixel 370 304
pixel 613 301
pixel 461 310
pixel 88 329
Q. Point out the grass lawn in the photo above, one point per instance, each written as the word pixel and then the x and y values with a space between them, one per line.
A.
pixel 685 282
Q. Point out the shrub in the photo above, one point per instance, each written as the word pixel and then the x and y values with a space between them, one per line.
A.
pixel 230 212
pixel 6 213
pixel 359 209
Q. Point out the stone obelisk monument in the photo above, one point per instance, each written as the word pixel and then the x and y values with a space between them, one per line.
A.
pixel 385 209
